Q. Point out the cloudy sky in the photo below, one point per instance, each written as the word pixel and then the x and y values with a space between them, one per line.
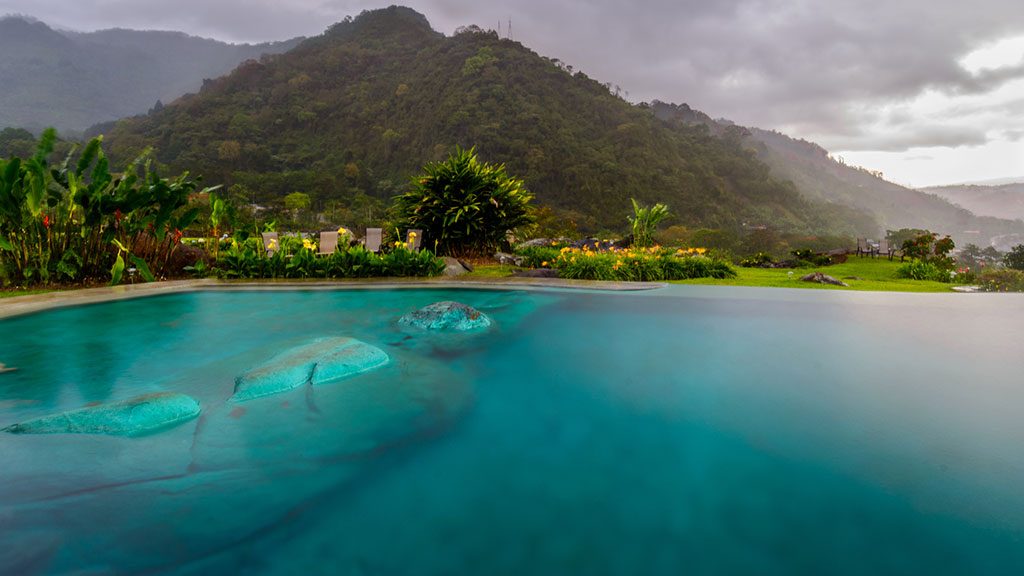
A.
pixel 927 91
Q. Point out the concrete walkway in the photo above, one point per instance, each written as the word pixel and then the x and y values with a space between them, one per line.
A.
pixel 19 305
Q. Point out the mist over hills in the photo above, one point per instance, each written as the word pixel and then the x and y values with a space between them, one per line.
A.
pixel 1001 201
pixel 72 80
pixel 821 177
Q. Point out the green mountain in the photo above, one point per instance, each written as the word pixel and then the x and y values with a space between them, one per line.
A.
pixel 72 80
pixel 820 177
pixel 357 111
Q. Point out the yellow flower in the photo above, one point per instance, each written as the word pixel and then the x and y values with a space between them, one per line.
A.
pixel 544 264
pixel 342 231
pixel 273 243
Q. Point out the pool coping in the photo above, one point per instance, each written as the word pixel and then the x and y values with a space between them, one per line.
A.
pixel 28 304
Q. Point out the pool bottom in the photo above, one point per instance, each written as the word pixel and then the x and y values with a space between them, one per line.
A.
pixel 587 433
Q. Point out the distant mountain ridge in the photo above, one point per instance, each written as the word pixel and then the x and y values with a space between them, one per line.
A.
pixel 72 80
pixel 1002 201
pixel 360 109
pixel 821 177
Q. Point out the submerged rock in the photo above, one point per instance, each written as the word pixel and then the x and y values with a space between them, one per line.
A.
pixel 446 316
pixel 134 417
pixel 319 362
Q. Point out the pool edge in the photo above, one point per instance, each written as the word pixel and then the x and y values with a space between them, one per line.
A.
pixel 29 304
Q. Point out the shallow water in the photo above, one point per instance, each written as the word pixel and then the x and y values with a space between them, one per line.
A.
pixel 701 430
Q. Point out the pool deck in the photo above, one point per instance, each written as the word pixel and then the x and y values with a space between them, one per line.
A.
pixel 19 305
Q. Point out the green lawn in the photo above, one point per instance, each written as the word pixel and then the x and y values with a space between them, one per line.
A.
pixel 8 293
pixel 876 274
pixel 489 271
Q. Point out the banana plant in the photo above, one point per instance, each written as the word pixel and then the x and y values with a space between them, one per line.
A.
pixel 117 271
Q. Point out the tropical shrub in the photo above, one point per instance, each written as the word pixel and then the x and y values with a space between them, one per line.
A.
pixel 1006 280
pixel 78 220
pixel 644 221
pixel 538 256
pixel 639 264
pixel 759 260
pixel 1014 259
pixel 464 206
pixel 922 270
pixel 928 246
pixel 242 261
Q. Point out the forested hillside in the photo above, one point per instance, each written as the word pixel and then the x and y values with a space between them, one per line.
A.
pixel 72 80
pixel 820 177
pixel 352 114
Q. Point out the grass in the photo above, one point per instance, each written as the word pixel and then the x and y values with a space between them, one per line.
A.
pixel 875 274
pixel 489 271
pixel 9 293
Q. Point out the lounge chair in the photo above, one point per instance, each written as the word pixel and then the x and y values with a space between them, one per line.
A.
pixel 270 243
pixel 328 243
pixel 862 247
pixel 884 248
pixel 374 237
pixel 414 238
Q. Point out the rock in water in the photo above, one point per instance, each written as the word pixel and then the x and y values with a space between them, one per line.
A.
pixel 446 316
pixel 319 362
pixel 134 417
pixel 354 358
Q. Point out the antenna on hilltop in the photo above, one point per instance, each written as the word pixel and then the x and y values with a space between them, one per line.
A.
pixel 510 28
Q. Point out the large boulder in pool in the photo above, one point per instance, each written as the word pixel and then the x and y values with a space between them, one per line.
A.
pixel 134 417
pixel 319 362
pixel 452 316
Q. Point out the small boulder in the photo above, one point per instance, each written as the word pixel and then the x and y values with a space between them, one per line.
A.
pixel 454 267
pixel 321 361
pixel 451 316
pixel 823 279
pixel 508 259
pixel 133 417
pixel 537 242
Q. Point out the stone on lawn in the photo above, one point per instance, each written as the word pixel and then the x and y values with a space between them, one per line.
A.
pixel 454 267
pixel 318 362
pixel 823 279
pixel 447 316
pixel 134 417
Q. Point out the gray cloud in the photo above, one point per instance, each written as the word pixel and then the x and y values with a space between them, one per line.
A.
pixel 926 136
pixel 811 68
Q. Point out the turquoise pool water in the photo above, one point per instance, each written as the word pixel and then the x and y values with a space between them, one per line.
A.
pixel 683 430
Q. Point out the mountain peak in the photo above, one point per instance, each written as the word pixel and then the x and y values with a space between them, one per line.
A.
pixel 393 20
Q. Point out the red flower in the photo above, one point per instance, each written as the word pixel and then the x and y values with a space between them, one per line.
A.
pixel 46 221
pixel 117 214
pixel 177 235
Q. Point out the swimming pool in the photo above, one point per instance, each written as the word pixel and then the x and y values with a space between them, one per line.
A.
pixel 681 430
